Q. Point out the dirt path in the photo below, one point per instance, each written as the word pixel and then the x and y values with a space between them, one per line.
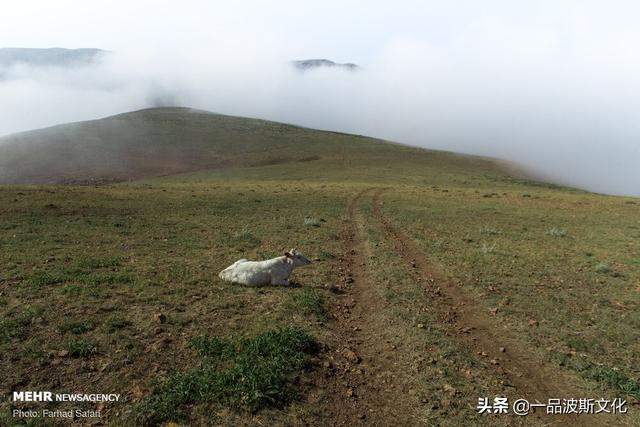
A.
pixel 369 382
pixel 531 378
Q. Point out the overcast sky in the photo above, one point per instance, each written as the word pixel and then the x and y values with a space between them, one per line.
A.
pixel 344 30
pixel 554 85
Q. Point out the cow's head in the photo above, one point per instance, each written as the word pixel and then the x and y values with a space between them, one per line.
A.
pixel 297 258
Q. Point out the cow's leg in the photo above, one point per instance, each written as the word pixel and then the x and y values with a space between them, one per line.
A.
pixel 280 281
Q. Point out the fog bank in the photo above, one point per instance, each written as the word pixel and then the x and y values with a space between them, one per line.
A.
pixel 562 101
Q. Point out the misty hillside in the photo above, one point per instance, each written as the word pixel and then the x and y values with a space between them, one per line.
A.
pixel 53 57
pixel 310 64
pixel 166 141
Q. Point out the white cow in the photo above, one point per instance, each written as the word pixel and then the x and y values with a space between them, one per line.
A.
pixel 274 271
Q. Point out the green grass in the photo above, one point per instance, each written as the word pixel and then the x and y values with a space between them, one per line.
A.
pixel 309 302
pixel 603 268
pixel 242 373
pixel 96 263
pixel 616 379
pixel 43 279
pixel 88 270
pixel 118 256
pixel 115 323
pixel 75 327
pixel 619 381
pixel 16 325
pixel 534 270
pixel 81 347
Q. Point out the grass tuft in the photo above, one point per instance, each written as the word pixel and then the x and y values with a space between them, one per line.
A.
pixel 311 222
pixel 115 323
pixel 44 279
pixel 81 347
pixel 75 327
pixel 242 373
pixel 308 302
pixel 557 232
pixel 603 268
pixel 95 263
pixel 615 379
pixel 72 290
pixel 16 326
pixel 487 248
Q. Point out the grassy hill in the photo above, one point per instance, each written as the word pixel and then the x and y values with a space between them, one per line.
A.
pixel 437 279
pixel 166 141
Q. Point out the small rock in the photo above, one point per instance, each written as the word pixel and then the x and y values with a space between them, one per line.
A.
pixel 63 353
pixel 162 318
pixel 494 362
pixel 421 325
pixel 502 349
pixel 349 392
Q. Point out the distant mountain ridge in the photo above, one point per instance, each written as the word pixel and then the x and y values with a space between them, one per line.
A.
pixel 49 57
pixel 311 64
pixel 63 57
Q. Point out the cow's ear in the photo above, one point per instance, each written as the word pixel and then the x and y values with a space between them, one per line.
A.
pixel 288 255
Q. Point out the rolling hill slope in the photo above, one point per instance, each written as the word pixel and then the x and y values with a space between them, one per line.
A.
pixel 167 141
pixel 436 278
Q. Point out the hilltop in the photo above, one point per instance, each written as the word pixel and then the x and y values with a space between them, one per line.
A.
pixel 310 64
pixel 167 141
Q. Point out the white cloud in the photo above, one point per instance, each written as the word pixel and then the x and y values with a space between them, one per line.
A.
pixel 553 86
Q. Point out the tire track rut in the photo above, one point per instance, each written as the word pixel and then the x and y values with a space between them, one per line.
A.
pixel 367 379
pixel 531 378
pixel 367 383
